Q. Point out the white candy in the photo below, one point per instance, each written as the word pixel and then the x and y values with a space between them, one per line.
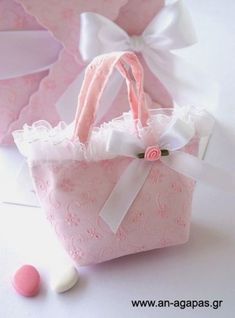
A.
pixel 64 280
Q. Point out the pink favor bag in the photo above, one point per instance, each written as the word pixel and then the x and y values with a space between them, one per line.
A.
pixel 114 190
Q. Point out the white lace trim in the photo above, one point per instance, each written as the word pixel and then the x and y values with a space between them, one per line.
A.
pixel 43 142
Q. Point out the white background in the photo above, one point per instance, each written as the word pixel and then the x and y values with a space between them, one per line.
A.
pixel 204 268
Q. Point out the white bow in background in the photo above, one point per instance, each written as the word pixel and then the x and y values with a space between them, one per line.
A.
pixel 26 52
pixel 170 30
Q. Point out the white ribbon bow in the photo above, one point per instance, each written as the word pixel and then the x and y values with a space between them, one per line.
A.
pixel 27 52
pixel 170 29
pixel 177 135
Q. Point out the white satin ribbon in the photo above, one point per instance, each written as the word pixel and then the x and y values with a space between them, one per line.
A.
pixel 199 170
pixel 124 193
pixel 170 29
pixel 177 135
pixel 26 52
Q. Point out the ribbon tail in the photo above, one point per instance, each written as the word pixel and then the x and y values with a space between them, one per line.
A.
pixel 26 52
pixel 124 193
pixel 186 84
pixel 67 103
pixel 200 170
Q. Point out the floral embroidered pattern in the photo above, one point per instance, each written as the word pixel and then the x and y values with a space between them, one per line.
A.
pixel 159 216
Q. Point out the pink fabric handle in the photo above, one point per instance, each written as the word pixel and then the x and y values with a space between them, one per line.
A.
pixel 96 77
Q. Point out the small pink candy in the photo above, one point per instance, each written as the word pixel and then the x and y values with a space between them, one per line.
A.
pixel 26 281
pixel 152 153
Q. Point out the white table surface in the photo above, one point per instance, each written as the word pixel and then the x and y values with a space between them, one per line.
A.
pixel 204 268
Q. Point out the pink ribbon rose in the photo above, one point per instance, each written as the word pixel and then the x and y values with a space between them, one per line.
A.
pixel 152 153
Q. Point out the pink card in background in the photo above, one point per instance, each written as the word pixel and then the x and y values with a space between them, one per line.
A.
pixel 15 92
pixel 34 97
